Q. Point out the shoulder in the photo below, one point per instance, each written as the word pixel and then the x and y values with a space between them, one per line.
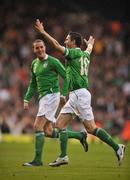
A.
pixel 34 61
pixel 73 53
pixel 52 59
pixel 70 50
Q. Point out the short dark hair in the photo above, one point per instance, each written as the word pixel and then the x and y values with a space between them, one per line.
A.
pixel 37 41
pixel 77 37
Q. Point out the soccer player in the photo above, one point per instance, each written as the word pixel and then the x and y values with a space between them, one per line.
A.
pixel 44 79
pixel 78 62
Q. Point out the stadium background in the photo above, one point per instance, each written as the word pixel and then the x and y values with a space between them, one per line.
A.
pixel 107 21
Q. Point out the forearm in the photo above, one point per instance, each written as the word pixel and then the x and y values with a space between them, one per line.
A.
pixel 30 91
pixel 64 90
pixel 50 39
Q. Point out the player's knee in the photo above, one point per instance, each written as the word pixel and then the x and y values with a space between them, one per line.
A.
pixel 91 129
pixel 37 127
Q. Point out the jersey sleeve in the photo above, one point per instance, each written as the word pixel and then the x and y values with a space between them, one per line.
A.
pixel 59 68
pixel 32 87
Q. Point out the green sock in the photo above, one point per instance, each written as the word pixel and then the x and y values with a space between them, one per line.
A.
pixel 71 134
pixel 104 136
pixel 39 142
pixel 63 142
pixel 74 134
pixel 55 133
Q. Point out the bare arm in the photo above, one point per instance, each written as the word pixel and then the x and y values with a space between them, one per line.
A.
pixel 39 26
pixel 89 44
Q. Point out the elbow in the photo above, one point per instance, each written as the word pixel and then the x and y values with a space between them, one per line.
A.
pixel 56 45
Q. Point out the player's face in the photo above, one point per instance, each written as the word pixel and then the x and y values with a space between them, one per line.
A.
pixel 39 49
pixel 68 42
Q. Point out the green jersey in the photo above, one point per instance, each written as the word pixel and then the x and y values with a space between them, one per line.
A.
pixel 77 66
pixel 44 77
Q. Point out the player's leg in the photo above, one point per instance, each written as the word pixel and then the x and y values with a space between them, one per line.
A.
pixel 85 109
pixel 48 129
pixel 39 141
pixel 61 123
pixel 105 137
pixel 46 112
pixel 63 119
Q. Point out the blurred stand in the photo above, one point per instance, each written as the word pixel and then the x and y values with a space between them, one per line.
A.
pixel 109 71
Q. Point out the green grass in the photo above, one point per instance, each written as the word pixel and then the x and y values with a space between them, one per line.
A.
pixel 99 163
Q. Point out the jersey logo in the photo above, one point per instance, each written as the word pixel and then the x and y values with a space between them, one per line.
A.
pixel 45 65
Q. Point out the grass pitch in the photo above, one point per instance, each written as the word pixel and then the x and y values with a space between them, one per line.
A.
pixel 99 163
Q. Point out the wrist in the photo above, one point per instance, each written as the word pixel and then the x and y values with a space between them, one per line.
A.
pixel 90 46
pixel 43 32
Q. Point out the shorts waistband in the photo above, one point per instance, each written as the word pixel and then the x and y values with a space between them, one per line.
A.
pixel 76 90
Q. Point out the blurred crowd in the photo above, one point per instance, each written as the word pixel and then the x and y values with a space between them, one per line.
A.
pixel 109 77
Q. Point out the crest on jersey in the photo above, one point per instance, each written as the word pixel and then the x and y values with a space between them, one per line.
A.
pixel 45 65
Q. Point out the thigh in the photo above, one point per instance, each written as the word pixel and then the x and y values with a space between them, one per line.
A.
pixel 70 106
pixel 63 120
pixel 84 105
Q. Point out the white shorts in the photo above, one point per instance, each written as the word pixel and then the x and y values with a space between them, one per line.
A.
pixel 79 103
pixel 48 106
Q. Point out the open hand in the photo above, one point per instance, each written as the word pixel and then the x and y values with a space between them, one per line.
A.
pixel 39 26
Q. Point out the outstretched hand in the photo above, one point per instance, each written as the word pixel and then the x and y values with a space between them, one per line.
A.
pixel 89 44
pixel 89 41
pixel 39 26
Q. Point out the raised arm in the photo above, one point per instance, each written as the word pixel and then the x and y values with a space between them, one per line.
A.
pixel 89 44
pixel 53 42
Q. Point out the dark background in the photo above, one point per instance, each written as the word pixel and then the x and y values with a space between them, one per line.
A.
pixel 116 9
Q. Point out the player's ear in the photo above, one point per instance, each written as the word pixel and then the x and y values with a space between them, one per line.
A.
pixel 74 42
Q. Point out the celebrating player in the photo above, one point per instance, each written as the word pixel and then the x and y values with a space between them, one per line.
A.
pixel 44 78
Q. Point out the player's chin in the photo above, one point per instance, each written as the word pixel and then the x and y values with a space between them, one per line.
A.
pixel 40 56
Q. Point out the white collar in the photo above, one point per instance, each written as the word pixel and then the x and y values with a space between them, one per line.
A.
pixel 46 56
